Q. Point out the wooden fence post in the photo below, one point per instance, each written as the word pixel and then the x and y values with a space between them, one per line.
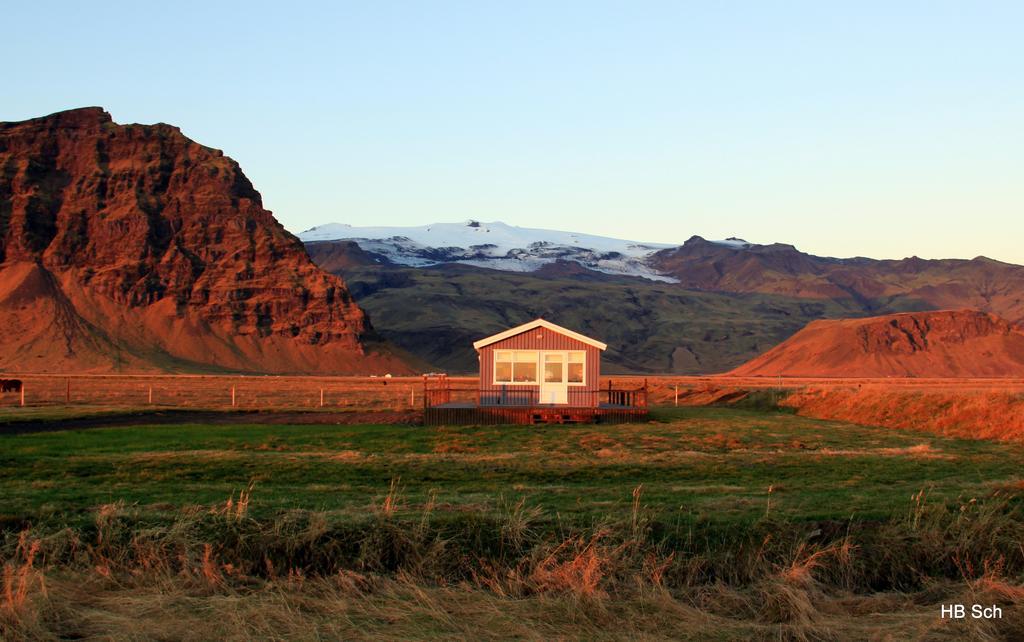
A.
pixel 23 394
pixel 321 397
pixel 232 396
pixel 412 397
pixel 151 395
pixel 677 394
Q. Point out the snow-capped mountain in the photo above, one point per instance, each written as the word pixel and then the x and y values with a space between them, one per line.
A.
pixel 497 246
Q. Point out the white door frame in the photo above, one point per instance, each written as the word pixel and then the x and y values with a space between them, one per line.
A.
pixel 556 393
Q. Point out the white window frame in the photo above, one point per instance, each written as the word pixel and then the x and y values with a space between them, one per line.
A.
pixel 516 354
pixel 568 355
pixel 539 360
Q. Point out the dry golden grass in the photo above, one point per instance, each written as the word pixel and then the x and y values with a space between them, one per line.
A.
pixel 564 601
pixel 391 500
pixel 610 583
pixel 919 451
pixel 236 509
pixel 21 578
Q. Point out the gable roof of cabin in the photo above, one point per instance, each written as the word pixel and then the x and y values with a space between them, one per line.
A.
pixel 538 323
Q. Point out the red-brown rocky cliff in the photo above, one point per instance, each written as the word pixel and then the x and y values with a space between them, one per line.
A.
pixel 133 247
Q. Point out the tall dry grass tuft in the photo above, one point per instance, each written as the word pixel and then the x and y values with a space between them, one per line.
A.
pixel 992 585
pixel 792 595
pixel 237 509
pixel 634 521
pixel 21 575
pixel 209 569
pixel 781 602
pixel 920 499
pixel 575 566
pixel 654 568
pixel 808 559
pixel 428 510
pixel 107 547
pixel 390 504
pixel 517 521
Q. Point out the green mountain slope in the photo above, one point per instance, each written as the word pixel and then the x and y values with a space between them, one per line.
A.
pixel 436 313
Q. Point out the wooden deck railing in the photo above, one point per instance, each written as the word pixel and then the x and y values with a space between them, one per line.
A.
pixel 438 391
pixel 629 398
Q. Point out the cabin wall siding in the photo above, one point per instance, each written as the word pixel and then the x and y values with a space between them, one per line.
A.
pixel 585 395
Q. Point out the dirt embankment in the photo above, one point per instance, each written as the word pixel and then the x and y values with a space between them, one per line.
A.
pixel 968 408
pixel 973 414
pixel 919 346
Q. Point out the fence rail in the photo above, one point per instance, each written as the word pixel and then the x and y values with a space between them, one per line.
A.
pixel 213 392
pixel 225 392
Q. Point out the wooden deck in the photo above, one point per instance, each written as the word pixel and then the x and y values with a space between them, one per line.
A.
pixel 446 405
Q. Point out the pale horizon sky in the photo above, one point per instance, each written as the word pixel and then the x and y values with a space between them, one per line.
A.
pixel 860 129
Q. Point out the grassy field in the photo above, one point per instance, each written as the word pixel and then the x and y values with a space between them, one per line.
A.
pixel 704 522
pixel 713 464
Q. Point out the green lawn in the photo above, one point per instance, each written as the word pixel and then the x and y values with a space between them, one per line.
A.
pixel 709 464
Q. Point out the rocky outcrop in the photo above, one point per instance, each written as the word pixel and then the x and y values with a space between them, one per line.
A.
pixel 337 256
pixel 960 343
pixel 134 247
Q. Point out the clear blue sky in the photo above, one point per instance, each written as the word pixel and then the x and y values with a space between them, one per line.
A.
pixel 883 129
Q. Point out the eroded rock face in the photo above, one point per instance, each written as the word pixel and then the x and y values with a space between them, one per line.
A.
pixel 909 333
pixel 159 246
pixel 944 343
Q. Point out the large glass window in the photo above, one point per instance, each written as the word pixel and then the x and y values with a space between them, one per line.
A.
pixel 503 367
pixel 524 371
pixel 515 366
pixel 553 368
pixel 576 363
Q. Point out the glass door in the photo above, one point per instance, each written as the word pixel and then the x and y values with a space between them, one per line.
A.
pixel 554 389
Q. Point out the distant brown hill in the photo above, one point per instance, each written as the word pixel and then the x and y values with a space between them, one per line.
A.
pixel 874 286
pixel 962 343
pixel 131 247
